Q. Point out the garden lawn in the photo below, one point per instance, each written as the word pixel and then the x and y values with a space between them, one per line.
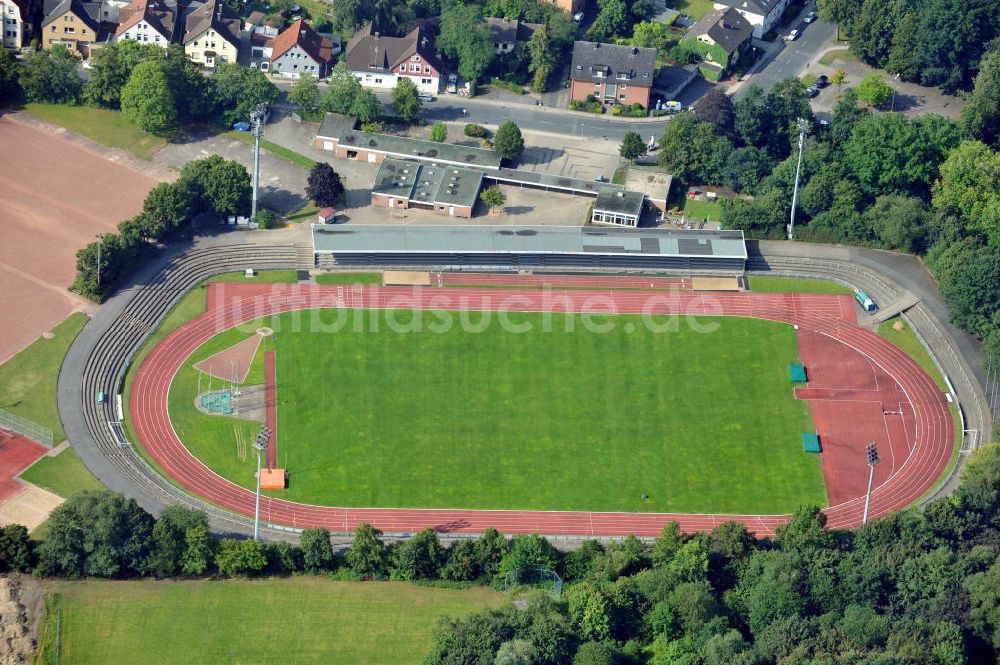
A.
pixel 294 621
pixel 63 474
pixel 796 285
pixel 28 380
pixel 99 125
pixel 693 8
pixel 702 422
pixel 711 210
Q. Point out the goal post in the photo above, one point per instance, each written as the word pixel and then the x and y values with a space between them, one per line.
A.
pixel 534 576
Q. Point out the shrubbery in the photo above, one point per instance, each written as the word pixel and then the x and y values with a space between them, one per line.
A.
pixel 589 106
pixel 476 131
pixel 634 111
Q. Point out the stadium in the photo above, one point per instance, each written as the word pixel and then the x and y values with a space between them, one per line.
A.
pixel 577 404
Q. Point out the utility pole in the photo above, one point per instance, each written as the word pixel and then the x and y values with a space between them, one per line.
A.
pixel 100 243
pixel 257 121
pixel 802 125
pixel 872 452
pixel 263 438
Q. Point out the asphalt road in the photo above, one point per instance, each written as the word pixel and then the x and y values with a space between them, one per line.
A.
pixel 793 56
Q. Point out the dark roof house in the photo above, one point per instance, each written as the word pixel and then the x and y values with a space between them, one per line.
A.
pixel 725 27
pixel 368 51
pixel 506 32
pixel 302 35
pixel 597 61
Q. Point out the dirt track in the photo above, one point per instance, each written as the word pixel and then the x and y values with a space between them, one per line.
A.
pixel 57 195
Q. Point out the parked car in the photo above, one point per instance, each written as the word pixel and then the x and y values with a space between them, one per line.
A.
pixel 810 17
pixel 425 97
pixel 812 91
pixel 822 81
pixel 792 36
pixel 578 17
pixel 241 126
pixel 676 107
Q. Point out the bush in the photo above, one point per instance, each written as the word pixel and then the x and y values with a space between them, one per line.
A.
pixel 439 132
pixel 589 106
pixel 374 127
pixel 264 218
pixel 634 111
pixel 476 131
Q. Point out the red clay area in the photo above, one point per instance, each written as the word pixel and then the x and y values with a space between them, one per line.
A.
pixel 919 445
pixel 57 196
pixel 233 363
pixel 16 454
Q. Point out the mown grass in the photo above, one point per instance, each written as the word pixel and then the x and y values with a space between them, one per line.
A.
pixel 349 278
pixel 28 380
pixel 907 340
pixel 838 54
pixel 693 8
pixel 63 474
pixel 99 125
pixel 300 620
pixel 581 420
pixel 763 284
pixel 711 210
pixel 306 213
pixel 262 277
pixel 273 148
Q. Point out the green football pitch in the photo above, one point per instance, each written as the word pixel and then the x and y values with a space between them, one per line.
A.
pixel 541 420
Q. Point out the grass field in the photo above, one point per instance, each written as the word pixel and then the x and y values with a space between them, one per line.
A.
pixel 838 54
pixel 295 621
pixel 695 209
pixel 693 8
pixel 99 125
pixel 278 151
pixel 28 380
pixel 795 285
pixel 63 474
pixel 536 420
pixel 907 340
pixel 264 277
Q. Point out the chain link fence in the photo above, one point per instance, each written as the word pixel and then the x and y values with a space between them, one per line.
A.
pixel 24 427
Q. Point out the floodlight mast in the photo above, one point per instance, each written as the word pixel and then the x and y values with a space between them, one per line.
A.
pixel 802 126
pixel 263 437
pixel 257 121
pixel 871 451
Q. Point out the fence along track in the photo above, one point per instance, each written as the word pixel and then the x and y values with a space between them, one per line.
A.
pixel 28 428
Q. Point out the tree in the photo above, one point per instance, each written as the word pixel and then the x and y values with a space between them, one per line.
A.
pixel 110 68
pixel 389 17
pixel 508 142
pixel 465 39
pixel 688 149
pixel 342 90
pixel 97 533
pixel 543 59
pixel 527 551
pixel 240 89
pixel 745 168
pixel 366 107
pixel 493 197
pixel 838 78
pixel 901 222
pixel 317 553
pixel 846 114
pixel 50 76
pixel 199 551
pixel 439 132
pixel 195 95
pixel 170 538
pixel 167 206
pixel 967 187
pixel 16 548
pixel 419 558
pixel 9 87
pixel 596 653
pixel 305 93
pixel 240 557
pixel 406 100
pixel 589 611
pixel 324 187
pixel 873 90
pixel 491 548
pixel 632 146
pixel 147 101
pixel 981 116
pixel 805 529
pixel 218 185
pixel 367 556
pixel 716 108
pixel 516 652
pixel 613 19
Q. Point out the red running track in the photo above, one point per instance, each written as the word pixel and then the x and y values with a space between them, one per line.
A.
pixel 17 453
pixel 831 317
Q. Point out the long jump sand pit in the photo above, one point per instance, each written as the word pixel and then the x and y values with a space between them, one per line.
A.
pixel 58 195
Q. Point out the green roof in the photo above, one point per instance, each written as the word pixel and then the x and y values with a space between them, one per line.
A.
pixel 797 372
pixel 810 442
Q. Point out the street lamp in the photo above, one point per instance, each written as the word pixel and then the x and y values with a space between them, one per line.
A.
pixel 871 451
pixel 803 126
pixel 257 120
pixel 263 437
pixel 100 243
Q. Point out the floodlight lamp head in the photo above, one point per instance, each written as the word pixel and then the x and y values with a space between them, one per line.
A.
pixel 803 126
pixel 872 454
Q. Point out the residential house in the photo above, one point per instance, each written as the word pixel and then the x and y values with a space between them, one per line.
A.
pixel 70 24
pixel 612 74
pixel 212 34
pixel 17 21
pixel 507 33
pixel 762 14
pixel 301 50
pixel 148 22
pixel 720 38
pixel 379 61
